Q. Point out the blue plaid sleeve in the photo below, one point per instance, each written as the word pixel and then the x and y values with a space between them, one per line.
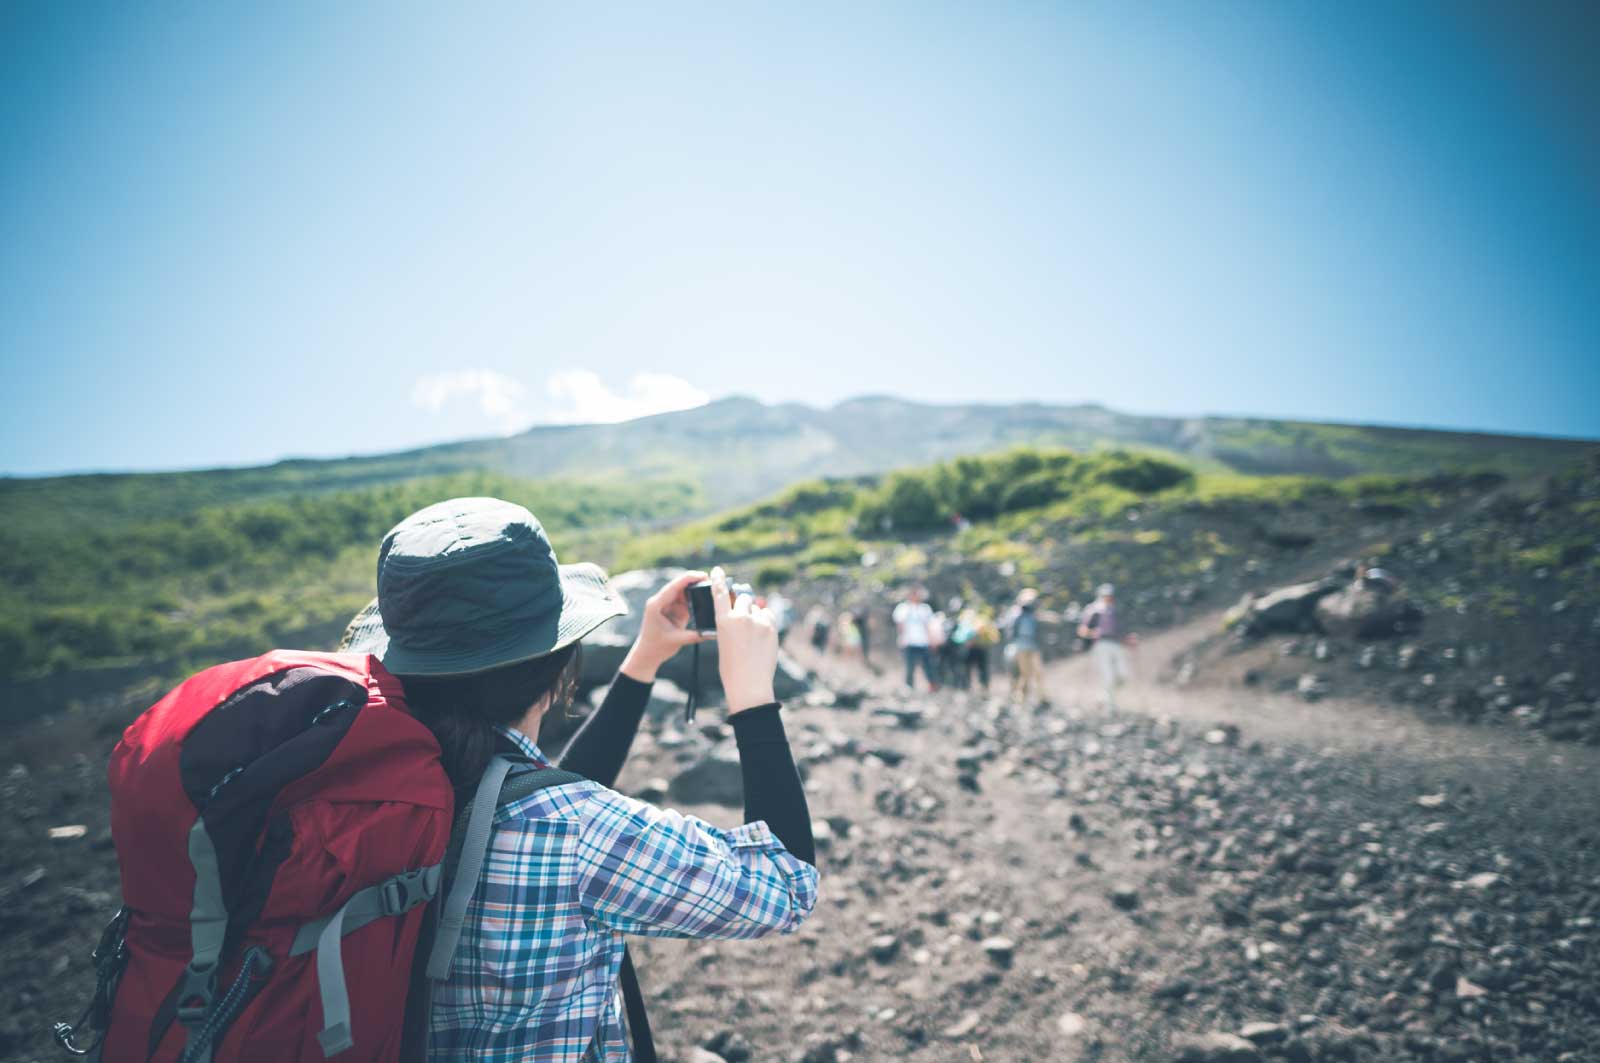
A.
pixel 651 871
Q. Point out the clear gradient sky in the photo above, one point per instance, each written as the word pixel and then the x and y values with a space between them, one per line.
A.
pixel 235 232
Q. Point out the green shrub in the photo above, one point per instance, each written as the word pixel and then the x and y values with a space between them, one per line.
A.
pixel 773 573
pixel 909 502
pixel 1145 475
pixel 1034 491
pixel 838 551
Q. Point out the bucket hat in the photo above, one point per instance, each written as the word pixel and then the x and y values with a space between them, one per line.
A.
pixel 472 584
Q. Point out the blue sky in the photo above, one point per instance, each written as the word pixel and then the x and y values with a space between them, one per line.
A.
pixel 231 233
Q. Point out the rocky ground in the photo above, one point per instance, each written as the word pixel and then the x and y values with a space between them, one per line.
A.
pixel 1069 884
pixel 1207 874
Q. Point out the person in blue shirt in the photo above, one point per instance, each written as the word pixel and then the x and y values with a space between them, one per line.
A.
pixel 482 626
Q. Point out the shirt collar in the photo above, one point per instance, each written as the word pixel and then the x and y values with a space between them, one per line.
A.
pixel 526 746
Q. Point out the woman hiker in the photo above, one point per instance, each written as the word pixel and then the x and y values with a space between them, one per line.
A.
pixel 482 626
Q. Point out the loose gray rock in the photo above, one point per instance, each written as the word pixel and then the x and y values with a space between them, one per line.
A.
pixel 1000 950
pixel 730 1045
pixel 702 1055
pixel 1264 1033
pixel 1367 611
pixel 1287 609
pixel 1214 1047
pixel 1125 896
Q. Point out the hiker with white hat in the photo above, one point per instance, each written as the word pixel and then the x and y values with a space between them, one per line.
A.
pixel 1098 624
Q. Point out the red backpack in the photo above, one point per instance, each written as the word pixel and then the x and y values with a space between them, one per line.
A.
pixel 280 824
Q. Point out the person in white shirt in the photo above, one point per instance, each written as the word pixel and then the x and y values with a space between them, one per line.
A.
pixel 912 620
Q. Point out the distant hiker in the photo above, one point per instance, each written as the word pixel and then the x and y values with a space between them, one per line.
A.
pixel 483 626
pixel 847 636
pixel 817 621
pixel 975 633
pixel 864 631
pixel 1098 624
pixel 912 620
pixel 961 633
pixel 1021 624
pixel 946 650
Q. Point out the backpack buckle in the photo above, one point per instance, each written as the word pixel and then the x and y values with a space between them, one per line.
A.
pixel 395 896
pixel 196 993
pixel 404 892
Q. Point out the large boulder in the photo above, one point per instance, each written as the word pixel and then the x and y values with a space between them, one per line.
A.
pixel 714 779
pixel 1368 610
pixel 1287 609
pixel 604 650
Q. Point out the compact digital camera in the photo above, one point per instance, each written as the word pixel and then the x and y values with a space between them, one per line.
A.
pixel 703 608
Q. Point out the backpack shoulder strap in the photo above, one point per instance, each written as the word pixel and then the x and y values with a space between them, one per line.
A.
pixel 504 780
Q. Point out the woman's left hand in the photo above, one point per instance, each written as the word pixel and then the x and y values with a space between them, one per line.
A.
pixel 663 629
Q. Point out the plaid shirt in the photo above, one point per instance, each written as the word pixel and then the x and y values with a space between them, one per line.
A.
pixel 570 870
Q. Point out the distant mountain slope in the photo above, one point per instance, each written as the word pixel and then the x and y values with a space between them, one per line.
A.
pixel 739 449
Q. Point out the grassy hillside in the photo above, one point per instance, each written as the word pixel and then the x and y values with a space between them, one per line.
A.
pixel 231 578
pixel 1505 572
pixel 1021 506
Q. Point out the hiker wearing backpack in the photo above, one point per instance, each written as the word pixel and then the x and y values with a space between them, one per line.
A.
pixel 975 633
pixel 1022 630
pixel 295 889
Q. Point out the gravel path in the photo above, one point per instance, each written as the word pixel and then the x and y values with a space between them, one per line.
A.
pixel 1325 881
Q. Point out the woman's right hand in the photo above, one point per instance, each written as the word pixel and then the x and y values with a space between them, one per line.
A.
pixel 747 647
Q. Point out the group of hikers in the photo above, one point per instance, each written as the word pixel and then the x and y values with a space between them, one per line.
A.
pixel 952 647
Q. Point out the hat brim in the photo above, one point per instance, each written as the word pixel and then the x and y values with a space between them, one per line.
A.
pixel 587 601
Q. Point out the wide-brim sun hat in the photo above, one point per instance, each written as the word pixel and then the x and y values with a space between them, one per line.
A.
pixel 471 584
pixel 1027 596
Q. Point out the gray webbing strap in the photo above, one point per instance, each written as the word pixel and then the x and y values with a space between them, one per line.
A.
pixel 208 918
pixel 393 896
pixel 334 1036
pixel 474 843
pixel 208 929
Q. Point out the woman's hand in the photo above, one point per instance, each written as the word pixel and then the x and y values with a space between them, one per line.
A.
pixel 663 630
pixel 747 647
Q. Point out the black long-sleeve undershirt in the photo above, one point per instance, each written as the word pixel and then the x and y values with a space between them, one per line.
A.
pixel 600 748
pixel 772 790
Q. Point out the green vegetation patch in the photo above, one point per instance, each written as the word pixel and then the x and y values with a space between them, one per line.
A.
pixel 241 577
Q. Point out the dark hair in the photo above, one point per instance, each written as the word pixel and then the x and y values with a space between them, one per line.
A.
pixel 465 712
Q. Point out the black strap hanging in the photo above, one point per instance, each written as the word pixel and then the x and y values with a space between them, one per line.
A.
pixel 694 683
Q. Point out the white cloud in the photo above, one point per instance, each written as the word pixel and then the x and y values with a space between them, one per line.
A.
pixel 575 396
pixel 579 396
pixel 498 397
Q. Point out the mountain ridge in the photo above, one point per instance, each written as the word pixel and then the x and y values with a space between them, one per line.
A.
pixel 736 449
